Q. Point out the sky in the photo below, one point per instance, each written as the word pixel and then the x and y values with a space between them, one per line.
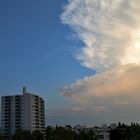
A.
pixel 82 57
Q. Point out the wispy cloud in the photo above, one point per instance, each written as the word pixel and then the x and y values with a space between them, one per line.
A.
pixel 109 29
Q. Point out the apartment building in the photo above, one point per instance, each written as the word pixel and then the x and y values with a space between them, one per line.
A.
pixel 25 111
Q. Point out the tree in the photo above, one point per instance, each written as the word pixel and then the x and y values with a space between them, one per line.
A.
pixel 115 134
pixel 21 135
pixel 62 133
pixel 67 133
pixel 59 133
pixel 37 135
pixel 1 137
pixel 49 133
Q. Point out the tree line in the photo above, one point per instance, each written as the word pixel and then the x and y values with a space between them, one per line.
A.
pixel 24 135
pixel 126 132
pixel 67 133
pixel 57 133
pixel 121 132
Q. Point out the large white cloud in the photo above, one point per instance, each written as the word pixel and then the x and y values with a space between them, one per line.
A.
pixel 109 29
pixel 110 32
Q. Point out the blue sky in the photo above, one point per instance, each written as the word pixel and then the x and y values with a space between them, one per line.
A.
pixel 84 59
pixel 36 50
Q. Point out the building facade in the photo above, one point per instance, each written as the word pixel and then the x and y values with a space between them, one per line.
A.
pixel 25 112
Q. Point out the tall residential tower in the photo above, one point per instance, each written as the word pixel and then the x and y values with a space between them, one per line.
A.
pixel 24 112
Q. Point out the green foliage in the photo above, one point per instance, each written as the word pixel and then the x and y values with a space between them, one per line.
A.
pixel 21 135
pixel 60 133
pixel 86 135
pixel 125 132
pixel 36 135
pixel 26 135
pixel 63 134
pixel 1 137
pixel 66 133
pixel 49 133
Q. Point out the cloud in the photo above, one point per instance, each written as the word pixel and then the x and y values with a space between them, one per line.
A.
pixel 109 30
pixel 117 86
pixel 111 96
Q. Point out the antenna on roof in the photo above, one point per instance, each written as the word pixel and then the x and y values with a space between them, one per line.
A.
pixel 24 90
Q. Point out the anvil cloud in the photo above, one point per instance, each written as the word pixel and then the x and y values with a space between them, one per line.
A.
pixel 109 29
pixel 110 32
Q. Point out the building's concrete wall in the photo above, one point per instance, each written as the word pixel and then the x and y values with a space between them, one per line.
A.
pixel 25 112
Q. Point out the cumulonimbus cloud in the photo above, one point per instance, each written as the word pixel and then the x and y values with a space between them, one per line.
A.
pixel 110 31
pixel 117 86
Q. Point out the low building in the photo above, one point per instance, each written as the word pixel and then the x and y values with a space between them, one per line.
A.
pixel 103 132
